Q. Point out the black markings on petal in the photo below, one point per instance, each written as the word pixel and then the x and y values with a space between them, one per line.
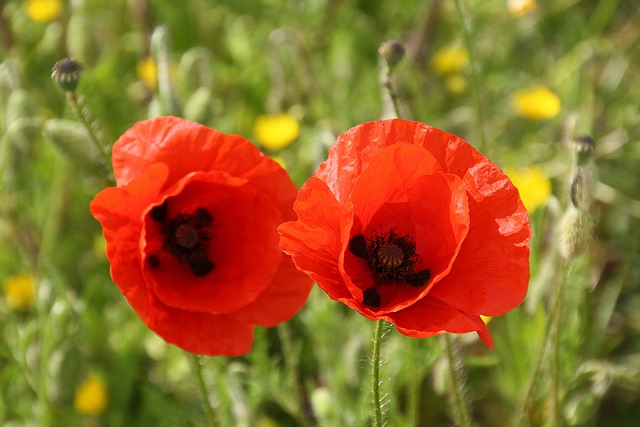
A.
pixel 419 279
pixel 201 218
pixel 159 213
pixel 371 297
pixel 200 267
pixel 153 261
pixel 358 246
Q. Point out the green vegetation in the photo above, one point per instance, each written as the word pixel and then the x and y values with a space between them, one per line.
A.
pixel 568 356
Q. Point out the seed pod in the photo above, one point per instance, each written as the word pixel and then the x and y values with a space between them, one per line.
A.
pixel 574 232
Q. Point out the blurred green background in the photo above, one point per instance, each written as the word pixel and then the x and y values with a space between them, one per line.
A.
pixel 570 355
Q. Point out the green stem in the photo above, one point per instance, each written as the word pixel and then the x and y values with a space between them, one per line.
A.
pixel 202 387
pixel 460 410
pixel 390 107
pixel 466 32
pixel 551 327
pixel 291 360
pixel 375 371
pixel 84 119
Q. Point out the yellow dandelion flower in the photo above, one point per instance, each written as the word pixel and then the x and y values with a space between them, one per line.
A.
pixel 455 83
pixel 518 8
pixel 533 184
pixel 43 10
pixel 91 396
pixel 275 132
pixel 538 103
pixel 147 72
pixel 450 60
pixel 19 292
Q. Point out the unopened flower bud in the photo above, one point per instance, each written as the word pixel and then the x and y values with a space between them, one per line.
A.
pixel 392 52
pixel 583 146
pixel 66 73
pixel 574 232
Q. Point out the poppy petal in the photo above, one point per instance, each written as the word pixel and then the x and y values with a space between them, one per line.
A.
pixel 442 318
pixel 314 240
pixel 118 210
pixel 243 230
pixel 200 333
pixel 496 251
pixel 415 200
pixel 281 300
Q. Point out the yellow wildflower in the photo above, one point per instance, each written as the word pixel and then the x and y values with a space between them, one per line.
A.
pixel 43 10
pixel 486 319
pixel 533 184
pixel 147 72
pixel 450 60
pixel 91 396
pixel 538 103
pixel 456 83
pixel 275 132
pixel 19 292
pixel 518 8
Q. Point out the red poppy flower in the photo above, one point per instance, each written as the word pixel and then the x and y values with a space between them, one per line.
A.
pixel 410 224
pixel 191 235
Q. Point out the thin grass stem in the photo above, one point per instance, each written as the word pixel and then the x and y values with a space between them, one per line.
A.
pixel 480 114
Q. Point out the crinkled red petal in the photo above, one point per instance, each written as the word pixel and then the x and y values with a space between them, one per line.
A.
pixel 314 240
pixel 119 212
pixel 186 146
pixel 430 316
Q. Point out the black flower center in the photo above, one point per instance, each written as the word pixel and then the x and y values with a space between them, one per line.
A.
pixel 186 238
pixel 391 258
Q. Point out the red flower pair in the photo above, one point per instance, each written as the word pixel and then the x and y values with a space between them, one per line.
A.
pixel 403 222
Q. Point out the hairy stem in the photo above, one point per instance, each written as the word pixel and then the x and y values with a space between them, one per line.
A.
pixel 375 374
pixel 460 410
pixel 202 387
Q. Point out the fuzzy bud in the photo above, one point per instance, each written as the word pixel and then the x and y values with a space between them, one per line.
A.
pixel 391 52
pixel 66 73
pixel 583 147
pixel 574 232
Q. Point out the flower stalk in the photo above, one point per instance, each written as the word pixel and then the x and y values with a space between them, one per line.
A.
pixel 375 374
pixel 202 388
pixel 460 410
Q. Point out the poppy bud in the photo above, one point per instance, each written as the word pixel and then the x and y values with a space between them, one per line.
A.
pixel 574 232
pixel 391 52
pixel 66 73
pixel 582 146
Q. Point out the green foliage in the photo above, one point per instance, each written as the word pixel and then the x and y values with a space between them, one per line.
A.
pixel 570 355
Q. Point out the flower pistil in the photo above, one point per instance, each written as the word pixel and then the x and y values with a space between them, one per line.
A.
pixel 391 259
pixel 186 237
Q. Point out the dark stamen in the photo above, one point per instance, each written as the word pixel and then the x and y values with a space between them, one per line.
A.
pixel 371 297
pixel 159 213
pixel 200 267
pixel 419 279
pixel 358 246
